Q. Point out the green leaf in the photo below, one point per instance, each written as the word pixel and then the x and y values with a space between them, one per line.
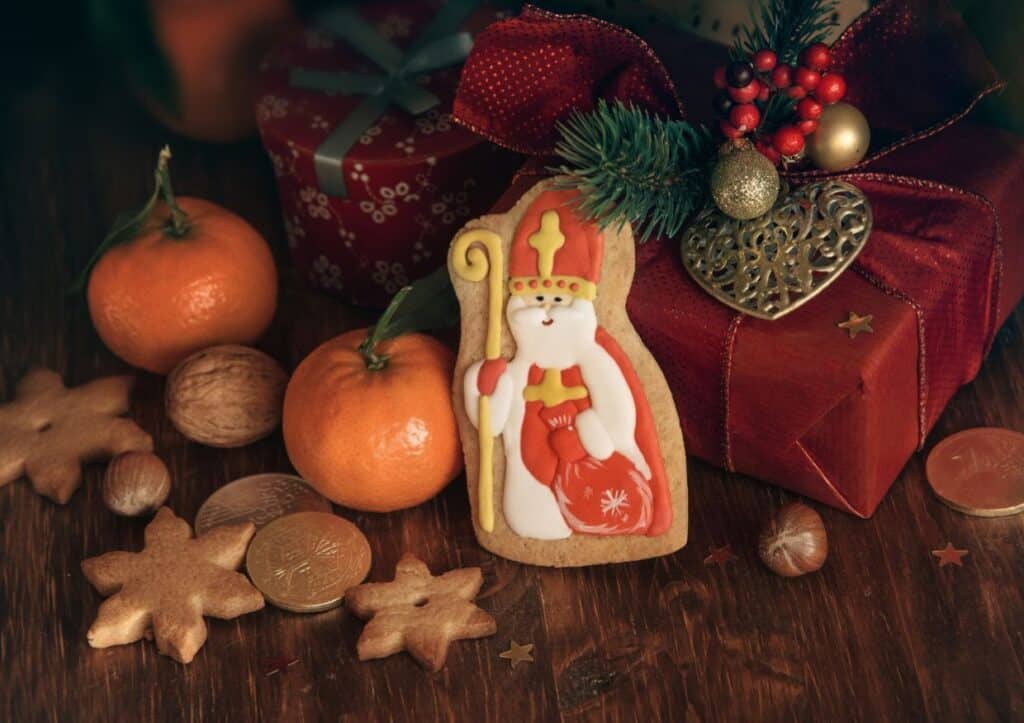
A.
pixel 127 223
pixel 429 303
pixel 633 167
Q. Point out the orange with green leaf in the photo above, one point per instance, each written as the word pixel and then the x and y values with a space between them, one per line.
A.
pixel 368 417
pixel 180 275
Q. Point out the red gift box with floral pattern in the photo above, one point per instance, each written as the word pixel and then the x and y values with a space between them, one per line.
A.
pixel 411 180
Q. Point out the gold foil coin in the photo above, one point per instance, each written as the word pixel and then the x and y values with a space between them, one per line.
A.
pixel 305 562
pixel 979 471
pixel 259 499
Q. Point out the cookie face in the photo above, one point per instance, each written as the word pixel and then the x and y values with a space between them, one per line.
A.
pixel 574 453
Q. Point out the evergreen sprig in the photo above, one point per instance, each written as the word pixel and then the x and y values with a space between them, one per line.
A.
pixel 632 166
pixel 787 27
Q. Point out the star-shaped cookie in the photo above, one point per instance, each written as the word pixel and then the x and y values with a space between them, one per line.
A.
pixel 47 431
pixel 165 590
pixel 419 613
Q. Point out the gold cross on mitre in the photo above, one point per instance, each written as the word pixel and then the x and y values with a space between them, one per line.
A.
pixel 547 240
pixel 551 392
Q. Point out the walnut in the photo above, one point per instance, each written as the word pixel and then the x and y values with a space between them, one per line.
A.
pixel 226 396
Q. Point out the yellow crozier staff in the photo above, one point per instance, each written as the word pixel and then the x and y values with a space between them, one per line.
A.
pixel 475 254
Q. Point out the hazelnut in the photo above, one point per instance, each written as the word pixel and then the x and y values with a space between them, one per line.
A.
pixel 226 396
pixel 794 541
pixel 136 483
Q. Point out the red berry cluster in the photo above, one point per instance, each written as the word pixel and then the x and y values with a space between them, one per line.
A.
pixel 746 86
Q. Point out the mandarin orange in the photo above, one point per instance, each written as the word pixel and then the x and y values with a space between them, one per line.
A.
pixel 188 279
pixel 375 430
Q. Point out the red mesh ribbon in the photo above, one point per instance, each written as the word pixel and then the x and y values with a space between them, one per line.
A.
pixel 527 73
pixel 795 401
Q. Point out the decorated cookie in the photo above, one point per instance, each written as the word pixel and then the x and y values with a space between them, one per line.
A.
pixel 48 431
pixel 164 591
pixel 573 448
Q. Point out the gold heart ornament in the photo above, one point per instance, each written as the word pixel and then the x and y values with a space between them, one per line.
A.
pixel 770 265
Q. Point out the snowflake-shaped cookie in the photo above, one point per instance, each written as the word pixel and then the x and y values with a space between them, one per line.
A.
pixel 164 591
pixel 47 431
pixel 419 613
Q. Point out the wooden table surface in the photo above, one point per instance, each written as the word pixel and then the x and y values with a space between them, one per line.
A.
pixel 881 633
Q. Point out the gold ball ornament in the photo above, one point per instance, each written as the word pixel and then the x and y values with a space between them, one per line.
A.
pixel 744 184
pixel 841 140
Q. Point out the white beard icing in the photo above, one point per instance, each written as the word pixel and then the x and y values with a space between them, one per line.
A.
pixel 529 506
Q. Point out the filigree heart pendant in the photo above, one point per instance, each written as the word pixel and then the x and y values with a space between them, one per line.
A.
pixel 769 266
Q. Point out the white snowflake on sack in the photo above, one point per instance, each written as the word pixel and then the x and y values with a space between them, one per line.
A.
pixel 318 123
pixel 434 121
pixel 294 231
pixel 614 502
pixel 450 206
pixel 325 274
pixel 271 106
pixel 316 202
pixel 395 26
pixel 390 275
pixel 318 41
pixel 369 134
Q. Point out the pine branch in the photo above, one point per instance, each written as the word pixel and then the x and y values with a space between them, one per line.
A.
pixel 787 27
pixel 631 166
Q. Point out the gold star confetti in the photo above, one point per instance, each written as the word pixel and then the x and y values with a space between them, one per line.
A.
pixel 857 324
pixel 517 653
pixel 719 556
pixel 949 555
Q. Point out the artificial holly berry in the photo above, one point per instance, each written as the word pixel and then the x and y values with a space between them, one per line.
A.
pixel 764 60
pixel 745 117
pixel 807 126
pixel 765 93
pixel 747 93
pixel 796 92
pixel 782 76
pixel 729 130
pixel 808 109
pixel 766 150
pixel 831 88
pixel 721 104
pixel 816 56
pixel 719 77
pixel 806 78
pixel 739 73
pixel 788 140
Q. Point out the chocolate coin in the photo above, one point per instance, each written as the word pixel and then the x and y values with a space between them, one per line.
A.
pixel 979 471
pixel 305 562
pixel 259 499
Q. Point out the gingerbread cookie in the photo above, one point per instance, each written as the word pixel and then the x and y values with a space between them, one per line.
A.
pixel 47 431
pixel 419 613
pixel 574 453
pixel 164 591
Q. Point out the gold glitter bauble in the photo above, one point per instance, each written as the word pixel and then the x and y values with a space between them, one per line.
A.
pixel 744 184
pixel 842 138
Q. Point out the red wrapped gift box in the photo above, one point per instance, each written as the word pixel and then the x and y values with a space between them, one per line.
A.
pixel 411 180
pixel 797 401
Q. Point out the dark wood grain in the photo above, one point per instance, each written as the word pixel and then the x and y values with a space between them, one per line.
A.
pixel 881 633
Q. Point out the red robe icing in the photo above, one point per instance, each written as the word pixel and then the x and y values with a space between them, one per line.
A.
pixel 604 497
